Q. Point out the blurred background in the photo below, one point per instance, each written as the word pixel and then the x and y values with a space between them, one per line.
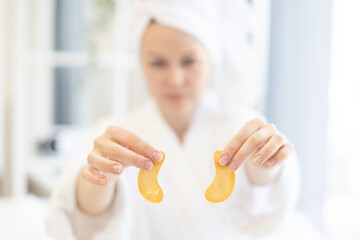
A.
pixel 64 64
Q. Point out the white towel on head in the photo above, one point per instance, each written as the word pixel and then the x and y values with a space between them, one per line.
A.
pixel 197 18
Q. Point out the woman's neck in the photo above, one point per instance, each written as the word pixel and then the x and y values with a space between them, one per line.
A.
pixel 178 122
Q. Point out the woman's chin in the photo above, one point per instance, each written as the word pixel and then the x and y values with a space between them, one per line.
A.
pixel 178 107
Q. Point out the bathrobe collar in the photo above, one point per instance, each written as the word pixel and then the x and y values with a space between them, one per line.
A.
pixel 193 131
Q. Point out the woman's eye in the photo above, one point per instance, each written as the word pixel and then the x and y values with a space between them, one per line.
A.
pixel 189 61
pixel 158 63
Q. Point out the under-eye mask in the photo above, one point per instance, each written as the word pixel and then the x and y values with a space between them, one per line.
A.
pixel 148 183
pixel 223 184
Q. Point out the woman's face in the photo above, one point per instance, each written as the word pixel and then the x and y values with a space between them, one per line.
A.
pixel 176 68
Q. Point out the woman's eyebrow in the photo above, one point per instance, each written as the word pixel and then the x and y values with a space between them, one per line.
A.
pixel 187 54
pixel 152 54
pixel 190 53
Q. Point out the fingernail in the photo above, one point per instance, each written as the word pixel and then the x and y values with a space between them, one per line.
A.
pixel 272 162
pixel 233 166
pixel 223 160
pixel 148 165
pixel 102 181
pixel 116 168
pixel 258 160
pixel 157 156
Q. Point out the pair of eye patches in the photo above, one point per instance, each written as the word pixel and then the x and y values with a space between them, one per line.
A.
pixel 220 189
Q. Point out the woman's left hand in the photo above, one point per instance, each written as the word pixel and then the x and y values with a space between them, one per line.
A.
pixel 259 141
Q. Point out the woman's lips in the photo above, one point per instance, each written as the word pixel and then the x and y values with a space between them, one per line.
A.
pixel 175 97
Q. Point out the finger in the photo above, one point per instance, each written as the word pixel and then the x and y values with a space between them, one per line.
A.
pixel 89 173
pixel 104 164
pixel 96 171
pixel 251 144
pixel 238 140
pixel 269 149
pixel 109 176
pixel 133 142
pixel 283 153
pixel 118 153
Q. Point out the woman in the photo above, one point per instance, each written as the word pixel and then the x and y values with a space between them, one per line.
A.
pixel 99 199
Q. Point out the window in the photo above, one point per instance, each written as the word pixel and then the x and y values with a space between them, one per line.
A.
pixel 67 59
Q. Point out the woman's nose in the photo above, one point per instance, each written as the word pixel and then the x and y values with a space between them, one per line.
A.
pixel 176 76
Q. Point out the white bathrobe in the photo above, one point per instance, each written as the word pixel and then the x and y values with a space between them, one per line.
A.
pixel 184 213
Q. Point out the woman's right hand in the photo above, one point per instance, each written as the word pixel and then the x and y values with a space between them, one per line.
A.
pixel 114 150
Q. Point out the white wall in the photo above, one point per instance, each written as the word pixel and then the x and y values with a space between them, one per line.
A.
pixel 2 115
pixel 15 98
pixel 298 89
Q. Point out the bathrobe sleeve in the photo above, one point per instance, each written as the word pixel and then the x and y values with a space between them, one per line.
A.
pixel 263 208
pixel 64 220
pixel 268 206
